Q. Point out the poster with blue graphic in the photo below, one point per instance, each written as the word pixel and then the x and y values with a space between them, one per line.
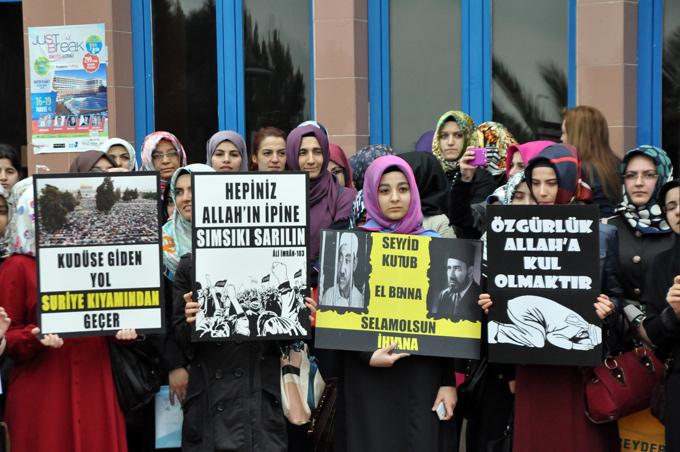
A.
pixel 69 107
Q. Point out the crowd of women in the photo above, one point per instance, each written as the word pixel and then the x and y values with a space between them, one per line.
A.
pixel 61 396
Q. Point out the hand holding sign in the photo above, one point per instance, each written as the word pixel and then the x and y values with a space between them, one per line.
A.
pixel 385 357
pixel 604 307
pixel 485 302
pixel 5 321
pixel 673 296
pixel 191 308
pixel 48 340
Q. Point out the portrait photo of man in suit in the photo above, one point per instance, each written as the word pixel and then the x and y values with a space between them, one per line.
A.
pixel 458 301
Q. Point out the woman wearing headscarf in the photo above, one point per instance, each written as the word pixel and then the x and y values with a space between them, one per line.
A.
pixel 330 204
pixel 92 162
pixel 363 159
pixel 121 152
pixel 233 397
pixel 163 152
pixel 6 213
pixel 662 298
pixel 550 400
pixel 339 166
pixel 226 152
pixel 643 230
pixel 386 400
pixel 433 188
pixel 469 220
pixel 63 387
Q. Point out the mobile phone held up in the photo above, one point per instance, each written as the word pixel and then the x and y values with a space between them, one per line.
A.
pixel 480 157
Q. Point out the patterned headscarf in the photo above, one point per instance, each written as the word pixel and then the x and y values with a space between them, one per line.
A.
pixel 22 226
pixel 151 142
pixel 562 158
pixel 5 238
pixel 233 137
pixel 496 139
pixel 358 210
pixel 120 142
pixel 412 222
pixel 177 230
pixel 469 129
pixel 363 159
pixel 648 219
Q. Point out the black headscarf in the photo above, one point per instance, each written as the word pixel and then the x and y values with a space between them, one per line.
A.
pixel 430 179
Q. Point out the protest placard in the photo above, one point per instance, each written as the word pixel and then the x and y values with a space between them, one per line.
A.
pixel 543 278
pixel 98 252
pixel 250 247
pixel 416 291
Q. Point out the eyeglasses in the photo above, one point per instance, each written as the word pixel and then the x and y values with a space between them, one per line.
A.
pixel 157 156
pixel 647 175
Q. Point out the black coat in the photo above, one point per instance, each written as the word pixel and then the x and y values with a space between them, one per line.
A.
pixel 464 200
pixel 233 400
pixel 663 328
pixel 636 254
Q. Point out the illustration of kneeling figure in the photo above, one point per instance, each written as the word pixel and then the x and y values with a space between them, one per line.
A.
pixel 536 320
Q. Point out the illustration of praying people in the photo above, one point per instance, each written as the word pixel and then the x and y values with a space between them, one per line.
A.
pixel 536 320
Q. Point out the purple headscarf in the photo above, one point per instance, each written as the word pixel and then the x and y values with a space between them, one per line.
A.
pixel 233 137
pixel 424 143
pixel 328 203
pixel 377 222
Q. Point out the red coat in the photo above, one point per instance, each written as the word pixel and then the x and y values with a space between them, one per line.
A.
pixel 58 399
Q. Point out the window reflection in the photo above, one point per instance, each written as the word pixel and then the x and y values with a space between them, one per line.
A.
pixel 277 65
pixel 185 71
pixel 529 67
pixel 670 84
pixel 424 66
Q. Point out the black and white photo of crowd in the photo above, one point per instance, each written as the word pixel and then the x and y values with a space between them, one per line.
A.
pixel 106 210
pixel 272 306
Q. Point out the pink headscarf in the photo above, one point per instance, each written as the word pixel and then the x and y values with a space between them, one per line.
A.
pixel 151 142
pixel 377 222
pixel 338 156
pixel 529 150
pixel 328 202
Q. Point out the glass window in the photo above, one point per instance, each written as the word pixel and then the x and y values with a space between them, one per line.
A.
pixel 424 66
pixel 529 67
pixel 277 48
pixel 185 71
pixel 12 88
pixel 670 82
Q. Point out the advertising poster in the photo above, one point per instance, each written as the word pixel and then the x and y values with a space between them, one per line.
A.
pixel 543 278
pixel 98 249
pixel 69 108
pixel 250 247
pixel 418 292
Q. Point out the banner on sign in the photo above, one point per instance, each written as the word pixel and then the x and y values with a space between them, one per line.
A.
pixel 98 252
pixel 418 292
pixel 543 278
pixel 250 247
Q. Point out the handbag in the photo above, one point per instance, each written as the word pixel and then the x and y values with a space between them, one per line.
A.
pixel 321 426
pixel 622 385
pixel 136 373
pixel 658 402
pixel 301 383
pixel 471 390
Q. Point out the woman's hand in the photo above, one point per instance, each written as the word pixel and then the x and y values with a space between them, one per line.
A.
pixel 485 302
pixel 311 305
pixel 467 171
pixel 604 307
pixel 126 334
pixel 191 308
pixel 448 396
pixel 385 357
pixel 5 322
pixel 48 340
pixel 673 296
pixel 178 380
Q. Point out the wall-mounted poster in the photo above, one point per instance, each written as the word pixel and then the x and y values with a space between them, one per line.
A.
pixel 69 108
pixel 418 292
pixel 543 278
pixel 250 247
pixel 98 250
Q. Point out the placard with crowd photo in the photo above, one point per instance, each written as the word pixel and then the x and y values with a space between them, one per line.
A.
pixel 250 247
pixel 417 292
pixel 98 252
pixel 543 278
